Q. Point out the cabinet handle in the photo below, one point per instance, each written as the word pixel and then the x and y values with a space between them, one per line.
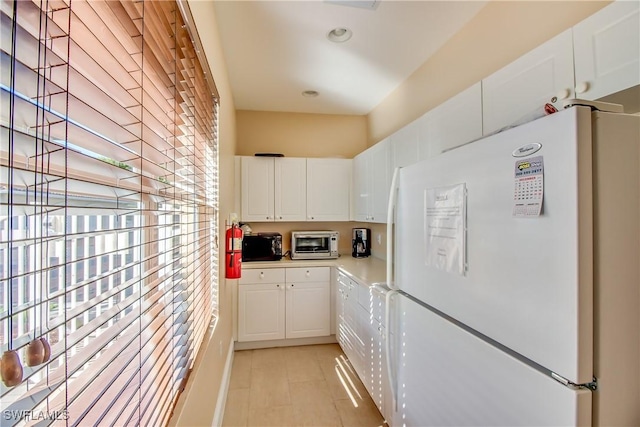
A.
pixel 278 285
pixel 582 87
pixel 262 275
pixel 563 94
pixel 280 217
pixel 307 273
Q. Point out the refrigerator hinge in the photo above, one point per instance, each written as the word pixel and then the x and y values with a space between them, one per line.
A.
pixel 593 385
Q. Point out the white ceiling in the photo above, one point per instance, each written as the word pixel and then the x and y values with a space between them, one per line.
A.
pixel 275 50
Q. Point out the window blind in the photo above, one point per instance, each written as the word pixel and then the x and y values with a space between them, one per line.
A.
pixel 109 208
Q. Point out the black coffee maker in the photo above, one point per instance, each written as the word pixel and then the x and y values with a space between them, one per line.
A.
pixel 361 241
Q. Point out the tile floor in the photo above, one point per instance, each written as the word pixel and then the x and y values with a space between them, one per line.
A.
pixel 297 386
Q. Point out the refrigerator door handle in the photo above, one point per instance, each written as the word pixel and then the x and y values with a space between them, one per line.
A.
pixel 387 348
pixel 394 289
pixel 390 245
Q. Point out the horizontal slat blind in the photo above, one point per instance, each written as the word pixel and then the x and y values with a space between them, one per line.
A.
pixel 109 208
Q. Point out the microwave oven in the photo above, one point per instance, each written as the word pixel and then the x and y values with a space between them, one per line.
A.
pixel 262 247
pixel 314 244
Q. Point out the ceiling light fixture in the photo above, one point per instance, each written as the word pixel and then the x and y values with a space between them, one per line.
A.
pixel 339 35
pixel 310 93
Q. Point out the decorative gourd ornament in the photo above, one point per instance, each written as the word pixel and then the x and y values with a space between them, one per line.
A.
pixel 11 369
pixel 47 349
pixel 34 354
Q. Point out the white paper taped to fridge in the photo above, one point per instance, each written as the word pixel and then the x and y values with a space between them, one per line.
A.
pixel 445 216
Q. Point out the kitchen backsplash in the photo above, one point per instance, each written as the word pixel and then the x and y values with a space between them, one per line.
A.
pixel 378 250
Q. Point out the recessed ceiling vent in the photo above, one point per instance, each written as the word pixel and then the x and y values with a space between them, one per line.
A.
pixel 361 4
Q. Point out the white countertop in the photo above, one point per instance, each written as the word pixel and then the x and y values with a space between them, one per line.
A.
pixel 367 271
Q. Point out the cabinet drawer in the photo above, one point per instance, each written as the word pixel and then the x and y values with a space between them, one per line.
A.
pixel 308 274
pixel 262 275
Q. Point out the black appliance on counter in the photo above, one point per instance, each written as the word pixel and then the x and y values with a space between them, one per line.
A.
pixel 361 241
pixel 262 247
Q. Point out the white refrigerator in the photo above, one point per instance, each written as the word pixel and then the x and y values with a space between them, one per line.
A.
pixel 516 277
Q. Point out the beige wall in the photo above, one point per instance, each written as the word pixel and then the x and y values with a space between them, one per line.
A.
pixel 300 135
pixel 500 33
pixel 344 228
pixel 197 403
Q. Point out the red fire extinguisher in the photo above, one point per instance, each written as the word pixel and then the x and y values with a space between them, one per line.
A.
pixel 233 255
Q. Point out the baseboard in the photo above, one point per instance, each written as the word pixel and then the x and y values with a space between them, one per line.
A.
pixel 252 345
pixel 224 388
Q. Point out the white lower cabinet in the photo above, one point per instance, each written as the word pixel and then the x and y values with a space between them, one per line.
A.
pixel 261 312
pixel 360 326
pixel 371 306
pixel 279 303
pixel 308 306
pixel 347 330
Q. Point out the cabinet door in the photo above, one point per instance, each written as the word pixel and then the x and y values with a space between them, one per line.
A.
pixel 380 181
pixel 347 321
pixel 340 300
pixel 290 203
pixel 328 189
pixel 404 145
pixel 261 312
pixel 607 50
pixel 361 188
pixel 257 189
pixel 366 373
pixel 308 310
pixel 452 123
pixel 518 92
pixel 378 370
pixel 352 321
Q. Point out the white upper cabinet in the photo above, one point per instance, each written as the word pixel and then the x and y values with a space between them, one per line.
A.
pixel 607 50
pixel 361 187
pixel 404 145
pixel 257 188
pixel 328 189
pixel 452 123
pixel 380 181
pixel 295 189
pixel 518 92
pixel 290 189
pixel 273 189
pixel 371 182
